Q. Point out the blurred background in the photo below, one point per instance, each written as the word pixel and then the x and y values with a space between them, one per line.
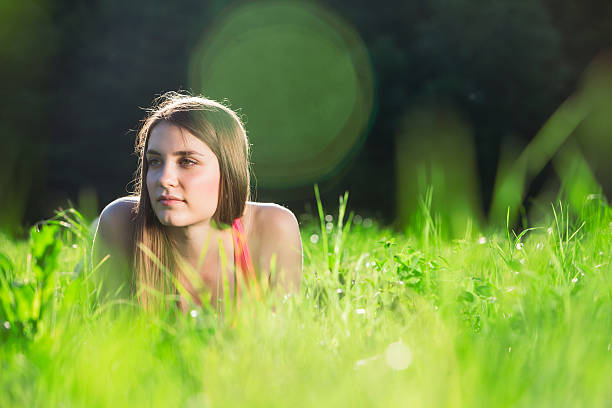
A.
pixel 487 105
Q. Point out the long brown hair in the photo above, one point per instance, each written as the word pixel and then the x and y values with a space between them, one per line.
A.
pixel 222 130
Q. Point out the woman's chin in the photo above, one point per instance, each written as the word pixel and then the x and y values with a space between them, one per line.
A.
pixel 170 221
pixel 174 219
pixel 177 222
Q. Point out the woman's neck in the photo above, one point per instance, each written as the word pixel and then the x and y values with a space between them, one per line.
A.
pixel 191 241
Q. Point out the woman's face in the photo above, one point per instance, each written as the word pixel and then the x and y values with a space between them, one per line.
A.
pixel 182 177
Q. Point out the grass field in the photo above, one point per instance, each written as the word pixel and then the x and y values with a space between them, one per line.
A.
pixel 495 318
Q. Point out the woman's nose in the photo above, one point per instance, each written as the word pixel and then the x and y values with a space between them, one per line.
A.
pixel 168 176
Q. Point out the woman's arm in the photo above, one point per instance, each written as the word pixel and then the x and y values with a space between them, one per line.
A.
pixel 280 249
pixel 113 246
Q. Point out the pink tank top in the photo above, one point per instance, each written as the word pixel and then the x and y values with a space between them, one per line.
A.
pixel 243 261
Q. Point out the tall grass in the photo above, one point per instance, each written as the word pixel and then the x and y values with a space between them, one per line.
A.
pixel 498 318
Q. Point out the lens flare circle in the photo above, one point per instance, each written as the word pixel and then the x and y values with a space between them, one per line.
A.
pixel 300 77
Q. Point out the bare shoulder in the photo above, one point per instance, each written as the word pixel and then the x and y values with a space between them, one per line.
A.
pixel 115 222
pixel 277 244
pixel 119 212
pixel 272 219
pixel 112 248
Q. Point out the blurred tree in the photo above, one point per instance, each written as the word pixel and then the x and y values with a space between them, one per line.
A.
pixel 28 51
pixel 76 73
pixel 499 62
pixel 586 29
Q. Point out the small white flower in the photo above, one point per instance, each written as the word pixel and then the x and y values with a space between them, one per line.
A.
pixel 329 218
pixel 519 245
pixel 574 280
pixel 482 240
pixel 194 313
pixel 314 238
pixel 7 325
pixel 539 245
pixel 360 311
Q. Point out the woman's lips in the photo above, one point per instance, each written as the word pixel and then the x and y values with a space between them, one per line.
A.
pixel 170 201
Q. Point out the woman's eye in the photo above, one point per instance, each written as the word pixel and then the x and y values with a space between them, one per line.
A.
pixel 153 162
pixel 188 162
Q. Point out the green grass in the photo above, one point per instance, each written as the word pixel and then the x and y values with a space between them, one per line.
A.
pixel 497 318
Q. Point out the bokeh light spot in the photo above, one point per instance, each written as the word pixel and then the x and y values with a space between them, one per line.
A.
pixel 300 77
pixel 398 355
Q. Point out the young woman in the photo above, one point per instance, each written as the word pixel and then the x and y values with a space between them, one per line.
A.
pixel 190 220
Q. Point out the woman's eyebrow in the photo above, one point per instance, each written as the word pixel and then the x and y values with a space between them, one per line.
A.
pixel 187 153
pixel 178 153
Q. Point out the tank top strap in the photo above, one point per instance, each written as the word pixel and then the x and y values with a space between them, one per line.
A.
pixel 242 258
